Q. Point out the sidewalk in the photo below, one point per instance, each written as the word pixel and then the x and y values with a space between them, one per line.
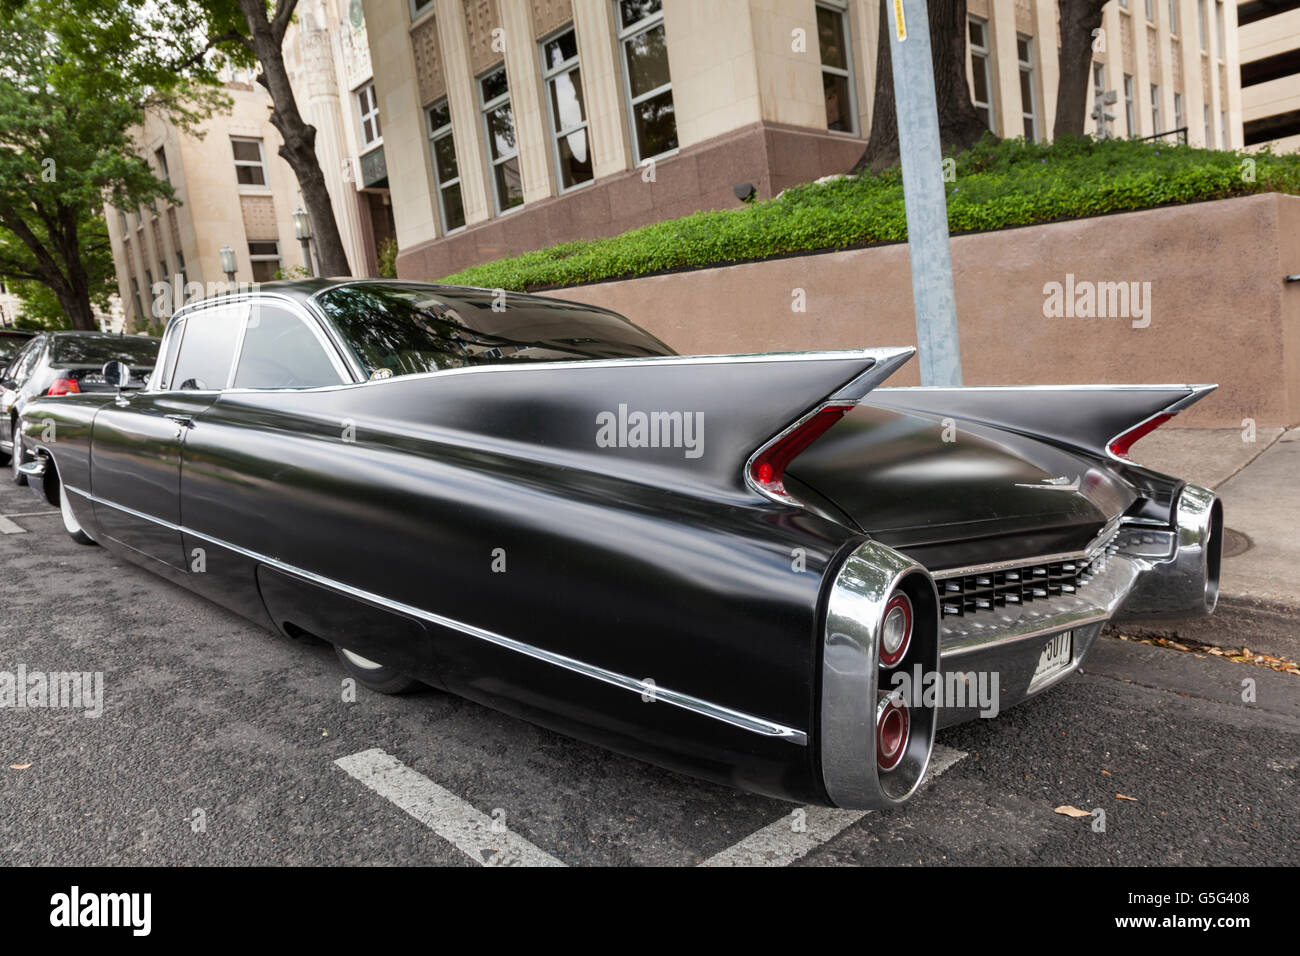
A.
pixel 1259 483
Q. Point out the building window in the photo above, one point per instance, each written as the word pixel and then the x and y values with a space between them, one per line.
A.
pixel 503 150
pixel 837 67
pixel 1209 131
pixel 250 167
pixel 160 156
pixel 1155 109
pixel 645 75
pixel 446 173
pixel 1218 29
pixel 1151 11
pixel 981 79
pixel 1025 56
pixel 1173 17
pixel 121 221
pixel 1200 15
pixel 1130 108
pixel 1178 111
pixel 563 82
pixel 1226 141
pixel 368 109
pixel 265 256
pixel 139 302
pixel 420 7
pixel 180 269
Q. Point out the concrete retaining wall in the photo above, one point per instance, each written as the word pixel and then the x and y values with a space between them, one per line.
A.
pixel 1219 310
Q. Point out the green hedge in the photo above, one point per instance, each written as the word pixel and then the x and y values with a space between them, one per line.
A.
pixel 997 184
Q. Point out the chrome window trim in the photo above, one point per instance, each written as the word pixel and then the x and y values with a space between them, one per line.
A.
pixel 696 705
pixel 302 316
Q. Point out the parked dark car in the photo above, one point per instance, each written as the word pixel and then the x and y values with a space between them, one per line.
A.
pixel 723 564
pixel 65 363
pixel 11 341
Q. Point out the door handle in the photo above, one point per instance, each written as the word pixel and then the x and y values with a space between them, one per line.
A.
pixel 185 421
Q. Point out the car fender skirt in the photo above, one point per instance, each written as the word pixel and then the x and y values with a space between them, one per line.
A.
pixel 858 690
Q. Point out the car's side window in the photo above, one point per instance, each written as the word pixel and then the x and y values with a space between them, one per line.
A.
pixel 281 351
pixel 26 362
pixel 207 348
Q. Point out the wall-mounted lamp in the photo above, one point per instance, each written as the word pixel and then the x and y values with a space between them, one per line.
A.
pixel 302 232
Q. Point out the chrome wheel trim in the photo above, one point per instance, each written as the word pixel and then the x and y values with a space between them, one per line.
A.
pixel 364 663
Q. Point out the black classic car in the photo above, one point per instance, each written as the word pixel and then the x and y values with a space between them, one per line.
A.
pixel 65 363
pixel 730 565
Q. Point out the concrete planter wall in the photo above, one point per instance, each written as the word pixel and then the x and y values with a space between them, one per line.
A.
pixel 1219 310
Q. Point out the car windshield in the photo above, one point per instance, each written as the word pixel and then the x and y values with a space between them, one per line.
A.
pixel 136 351
pixel 402 329
pixel 11 345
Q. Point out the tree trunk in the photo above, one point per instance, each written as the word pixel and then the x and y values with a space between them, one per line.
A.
pixel 960 124
pixel 1078 20
pixel 299 147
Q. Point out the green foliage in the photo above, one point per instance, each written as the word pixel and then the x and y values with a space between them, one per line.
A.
pixel 41 309
pixel 388 259
pixel 77 78
pixel 999 184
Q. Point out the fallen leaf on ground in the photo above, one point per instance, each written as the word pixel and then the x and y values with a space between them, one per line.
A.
pixel 19 766
pixel 1120 796
pixel 1069 811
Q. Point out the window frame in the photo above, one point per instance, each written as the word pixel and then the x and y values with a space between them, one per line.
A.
pixel 622 35
pixel 985 55
pixel 368 89
pixel 260 164
pixel 841 9
pixel 484 108
pixel 549 75
pixel 265 256
pixel 1130 104
pixel 1026 69
pixel 1155 110
pixel 340 369
pixel 435 134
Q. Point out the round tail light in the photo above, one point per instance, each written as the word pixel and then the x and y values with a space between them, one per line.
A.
pixel 893 728
pixel 896 630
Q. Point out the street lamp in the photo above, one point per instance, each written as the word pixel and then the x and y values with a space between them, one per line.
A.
pixel 228 264
pixel 302 232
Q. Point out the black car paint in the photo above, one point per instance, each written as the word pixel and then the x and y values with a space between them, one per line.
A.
pixel 639 561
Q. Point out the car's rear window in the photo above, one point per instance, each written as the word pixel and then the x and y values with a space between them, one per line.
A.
pixel 135 350
pixel 406 328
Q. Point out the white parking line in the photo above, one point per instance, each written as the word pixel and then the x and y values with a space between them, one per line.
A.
pixel 8 527
pixel 781 843
pixel 30 514
pixel 478 836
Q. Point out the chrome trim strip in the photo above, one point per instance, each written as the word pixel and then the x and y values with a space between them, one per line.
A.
pixel 1099 541
pixel 727 715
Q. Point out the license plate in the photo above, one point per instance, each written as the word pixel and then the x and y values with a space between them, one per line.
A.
pixel 1056 656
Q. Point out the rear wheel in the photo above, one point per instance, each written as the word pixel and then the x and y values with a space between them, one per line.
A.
pixel 374 676
pixel 70 523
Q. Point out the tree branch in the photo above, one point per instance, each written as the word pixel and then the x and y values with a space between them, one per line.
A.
pixel 280 22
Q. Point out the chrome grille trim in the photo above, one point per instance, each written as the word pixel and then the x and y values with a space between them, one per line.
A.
pixel 971 590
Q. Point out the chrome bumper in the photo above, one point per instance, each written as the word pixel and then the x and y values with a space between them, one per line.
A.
pixel 1145 572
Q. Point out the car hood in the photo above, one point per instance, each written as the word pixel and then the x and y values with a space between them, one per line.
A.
pixel 952 493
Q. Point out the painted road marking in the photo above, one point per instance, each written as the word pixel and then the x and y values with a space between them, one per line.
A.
pixel 780 844
pixel 8 527
pixel 475 834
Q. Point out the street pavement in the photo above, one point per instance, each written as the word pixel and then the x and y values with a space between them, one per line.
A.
pixel 220 743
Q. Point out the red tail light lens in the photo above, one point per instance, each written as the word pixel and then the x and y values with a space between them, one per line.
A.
pixel 1119 446
pixel 893 728
pixel 64 386
pixel 895 630
pixel 767 469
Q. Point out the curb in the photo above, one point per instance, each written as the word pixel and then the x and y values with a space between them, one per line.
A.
pixel 1264 626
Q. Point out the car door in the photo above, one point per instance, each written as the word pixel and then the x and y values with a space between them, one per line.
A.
pixel 137 439
pixel 19 371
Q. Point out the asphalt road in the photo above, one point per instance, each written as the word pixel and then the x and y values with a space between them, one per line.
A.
pixel 218 744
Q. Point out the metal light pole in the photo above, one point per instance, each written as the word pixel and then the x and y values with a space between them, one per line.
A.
pixel 302 231
pixel 923 193
pixel 228 264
